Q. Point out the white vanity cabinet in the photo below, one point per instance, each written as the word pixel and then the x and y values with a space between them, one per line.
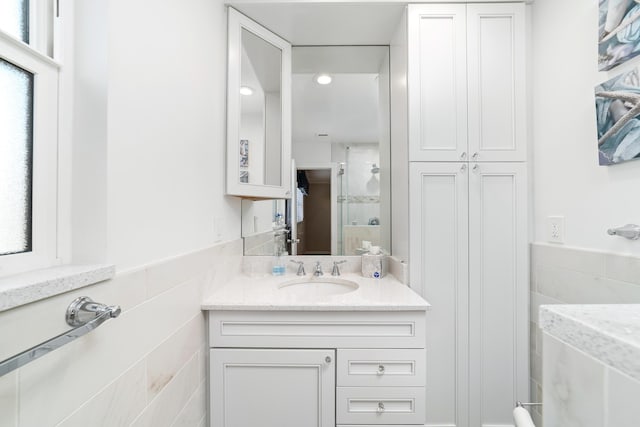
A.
pixel 467 82
pixel 317 369
pixel 470 261
pixel 468 206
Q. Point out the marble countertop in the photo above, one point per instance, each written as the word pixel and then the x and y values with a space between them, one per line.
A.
pixel 609 333
pixel 265 293
pixel 35 285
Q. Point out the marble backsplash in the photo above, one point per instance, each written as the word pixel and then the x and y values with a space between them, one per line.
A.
pixel 260 265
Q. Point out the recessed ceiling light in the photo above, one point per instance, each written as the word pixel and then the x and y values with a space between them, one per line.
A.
pixel 323 79
pixel 246 90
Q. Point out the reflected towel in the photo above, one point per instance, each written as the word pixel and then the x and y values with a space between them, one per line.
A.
pixel 522 417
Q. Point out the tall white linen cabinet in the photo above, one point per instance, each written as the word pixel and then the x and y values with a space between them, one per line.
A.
pixel 468 207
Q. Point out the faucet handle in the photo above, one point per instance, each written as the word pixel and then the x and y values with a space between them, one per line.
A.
pixel 318 269
pixel 301 271
pixel 336 270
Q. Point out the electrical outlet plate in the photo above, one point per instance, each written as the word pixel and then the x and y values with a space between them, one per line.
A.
pixel 555 229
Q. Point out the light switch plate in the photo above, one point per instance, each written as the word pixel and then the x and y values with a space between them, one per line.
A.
pixel 555 229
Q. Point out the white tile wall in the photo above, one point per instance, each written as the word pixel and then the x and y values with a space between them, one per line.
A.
pixel 562 275
pixel 145 368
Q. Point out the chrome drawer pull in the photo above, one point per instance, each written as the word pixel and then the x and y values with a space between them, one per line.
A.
pixel 380 407
pixel 380 370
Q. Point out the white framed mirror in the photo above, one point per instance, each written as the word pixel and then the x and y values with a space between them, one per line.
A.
pixel 258 111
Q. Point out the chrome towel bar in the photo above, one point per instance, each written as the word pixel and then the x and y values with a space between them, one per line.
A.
pixel 629 231
pixel 83 313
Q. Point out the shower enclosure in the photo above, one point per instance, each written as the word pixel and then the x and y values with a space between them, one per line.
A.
pixel 358 198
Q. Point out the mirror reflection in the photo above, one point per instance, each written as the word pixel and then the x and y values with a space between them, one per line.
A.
pixel 341 149
pixel 259 148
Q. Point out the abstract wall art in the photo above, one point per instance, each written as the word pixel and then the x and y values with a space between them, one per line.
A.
pixel 619 32
pixel 617 110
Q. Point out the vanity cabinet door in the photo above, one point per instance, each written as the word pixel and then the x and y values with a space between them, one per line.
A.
pixel 439 194
pixel 496 74
pixel 437 82
pixel 498 291
pixel 272 388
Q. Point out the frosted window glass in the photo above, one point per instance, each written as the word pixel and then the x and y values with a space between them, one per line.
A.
pixel 16 158
pixel 14 18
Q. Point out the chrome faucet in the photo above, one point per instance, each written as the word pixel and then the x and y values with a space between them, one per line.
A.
pixel 336 270
pixel 301 271
pixel 318 270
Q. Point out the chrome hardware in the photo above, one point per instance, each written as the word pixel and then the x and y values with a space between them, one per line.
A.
pixel 380 407
pixel 522 405
pixel 463 168
pixel 83 310
pixel 295 241
pixel 327 359
pixel 463 155
pixel 381 370
pixel 318 269
pixel 629 231
pixel 476 168
pixel 336 270
pixel 83 313
pixel 475 156
pixel 301 271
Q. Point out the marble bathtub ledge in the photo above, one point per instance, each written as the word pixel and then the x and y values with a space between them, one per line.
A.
pixel 261 293
pixel 609 333
pixel 24 288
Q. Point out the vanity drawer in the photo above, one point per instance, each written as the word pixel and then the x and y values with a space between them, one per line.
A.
pixel 381 367
pixel 380 405
pixel 304 329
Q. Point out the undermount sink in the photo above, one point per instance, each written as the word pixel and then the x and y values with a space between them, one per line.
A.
pixel 318 287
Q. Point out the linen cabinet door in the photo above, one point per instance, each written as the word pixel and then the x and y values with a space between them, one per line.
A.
pixel 439 272
pixel 272 388
pixel 497 82
pixel 437 82
pixel 498 288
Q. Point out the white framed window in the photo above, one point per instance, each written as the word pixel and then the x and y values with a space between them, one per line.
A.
pixel 29 104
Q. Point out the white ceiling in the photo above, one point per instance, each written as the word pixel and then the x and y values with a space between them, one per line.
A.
pixel 328 23
pixel 338 59
pixel 346 109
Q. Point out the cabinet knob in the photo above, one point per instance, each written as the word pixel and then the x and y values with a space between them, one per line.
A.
pixel 327 359
pixel 475 156
pixel 380 369
pixel 476 168
pixel 463 168
pixel 463 155
pixel 380 407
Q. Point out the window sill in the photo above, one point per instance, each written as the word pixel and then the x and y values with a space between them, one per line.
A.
pixel 21 289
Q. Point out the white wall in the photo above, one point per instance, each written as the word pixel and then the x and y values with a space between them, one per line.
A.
pixel 399 144
pixel 148 187
pixel 166 130
pixel 567 178
pixel 311 153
